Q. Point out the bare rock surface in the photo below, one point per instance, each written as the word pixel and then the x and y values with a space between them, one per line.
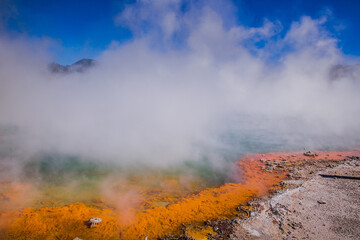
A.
pixel 316 208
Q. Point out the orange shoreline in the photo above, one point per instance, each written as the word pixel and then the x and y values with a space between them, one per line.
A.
pixel 67 222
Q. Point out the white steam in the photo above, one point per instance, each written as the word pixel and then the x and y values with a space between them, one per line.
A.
pixel 189 77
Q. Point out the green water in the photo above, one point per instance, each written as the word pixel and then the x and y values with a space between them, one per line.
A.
pixel 63 179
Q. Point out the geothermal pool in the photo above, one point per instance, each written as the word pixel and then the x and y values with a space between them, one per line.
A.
pixel 51 195
pixel 57 195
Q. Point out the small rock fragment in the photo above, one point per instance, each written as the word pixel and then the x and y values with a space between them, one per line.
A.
pixel 310 154
pixel 94 221
pixel 207 223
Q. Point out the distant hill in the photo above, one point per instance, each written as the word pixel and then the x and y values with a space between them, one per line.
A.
pixel 339 72
pixel 79 66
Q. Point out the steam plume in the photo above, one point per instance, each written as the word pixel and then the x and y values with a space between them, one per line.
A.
pixel 193 83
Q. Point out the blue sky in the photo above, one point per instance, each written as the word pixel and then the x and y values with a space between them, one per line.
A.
pixel 86 28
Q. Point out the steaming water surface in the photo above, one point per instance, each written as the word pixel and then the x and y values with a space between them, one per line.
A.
pixel 62 179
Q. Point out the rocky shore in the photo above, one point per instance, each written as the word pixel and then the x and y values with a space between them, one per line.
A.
pixel 320 200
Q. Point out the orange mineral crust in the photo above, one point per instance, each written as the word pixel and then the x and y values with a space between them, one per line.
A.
pixel 68 222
